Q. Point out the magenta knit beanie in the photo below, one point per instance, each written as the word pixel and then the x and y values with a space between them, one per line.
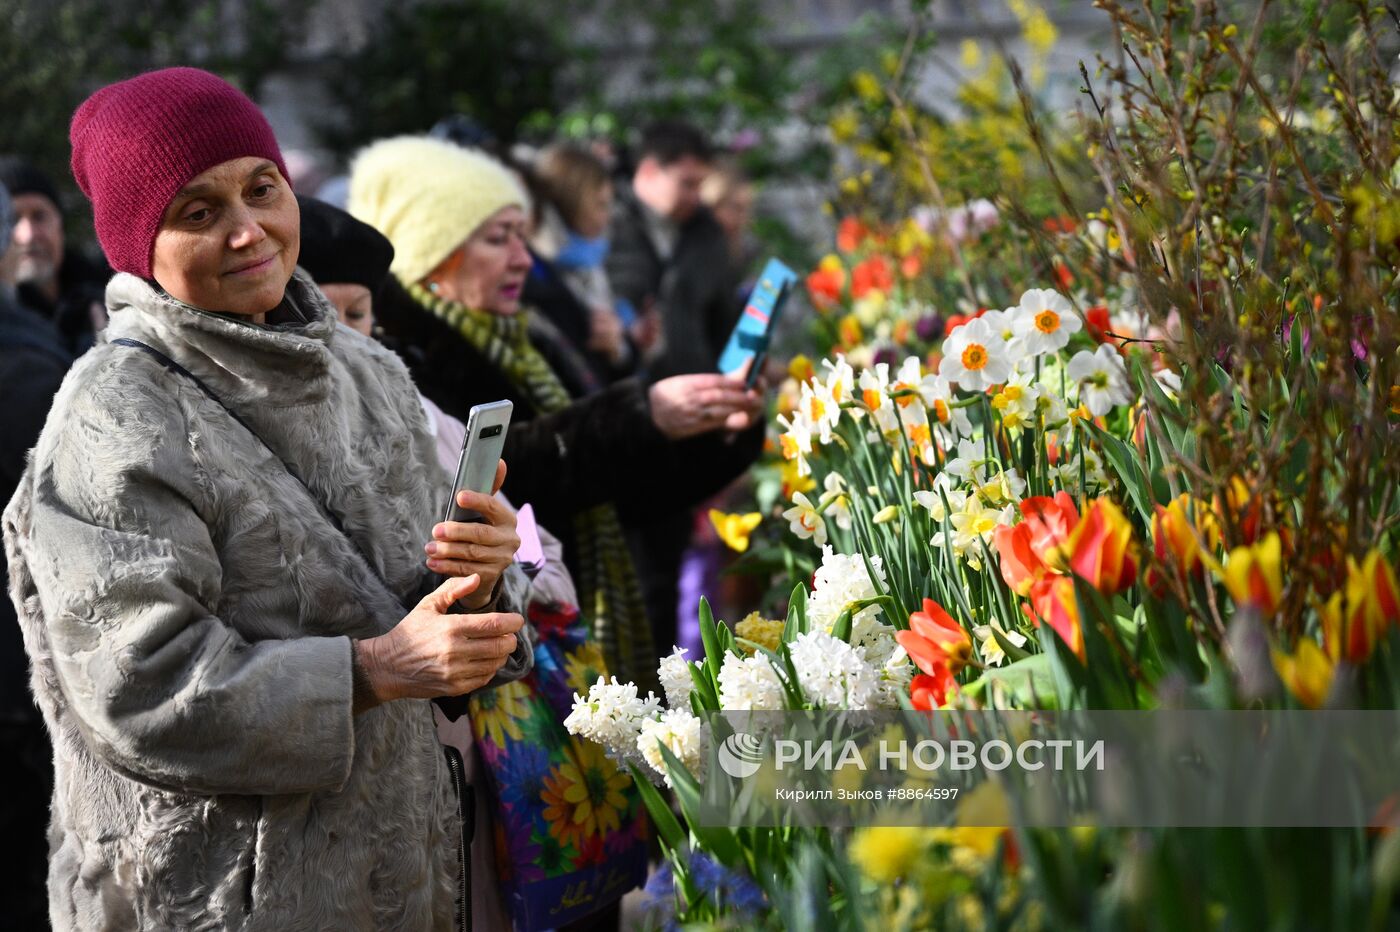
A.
pixel 136 143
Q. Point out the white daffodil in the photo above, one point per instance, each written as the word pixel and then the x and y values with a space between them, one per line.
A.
pixel 1016 402
pixel 874 394
pixel 835 501
pixel 951 423
pixel 1169 381
pixel 816 403
pixel 969 462
pixel 975 357
pixel 841 380
pixel 973 526
pixel 907 381
pixel 1004 487
pixel 933 500
pixel 1068 472
pixel 1003 323
pixel 1102 378
pixel 796 440
pixel 990 648
pixel 1045 321
pixel 805 520
pixel 1050 407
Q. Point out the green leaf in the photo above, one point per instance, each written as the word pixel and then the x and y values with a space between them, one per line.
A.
pixel 1030 679
pixel 714 654
pixel 718 841
pixel 797 613
pixel 841 629
pixel 1125 463
pixel 667 826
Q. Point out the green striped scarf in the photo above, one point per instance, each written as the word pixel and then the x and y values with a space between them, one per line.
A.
pixel 610 597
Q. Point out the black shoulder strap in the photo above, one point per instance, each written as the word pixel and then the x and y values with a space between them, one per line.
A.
pixel 326 510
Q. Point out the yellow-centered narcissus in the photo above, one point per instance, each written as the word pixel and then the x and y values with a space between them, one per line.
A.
pixel 734 530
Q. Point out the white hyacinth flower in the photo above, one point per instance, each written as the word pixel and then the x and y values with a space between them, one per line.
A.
pixel 750 684
pixel 682 734
pixel 676 681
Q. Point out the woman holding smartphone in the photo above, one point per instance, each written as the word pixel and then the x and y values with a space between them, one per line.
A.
pixel 587 462
pixel 227 563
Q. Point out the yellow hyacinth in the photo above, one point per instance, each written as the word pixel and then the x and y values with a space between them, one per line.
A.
pixel 766 632
pixel 734 530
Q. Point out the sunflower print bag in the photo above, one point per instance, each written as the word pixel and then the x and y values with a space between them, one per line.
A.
pixel 571 832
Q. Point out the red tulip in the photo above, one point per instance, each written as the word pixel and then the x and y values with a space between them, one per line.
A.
pixel 932 691
pixel 1101 548
pixel 1054 602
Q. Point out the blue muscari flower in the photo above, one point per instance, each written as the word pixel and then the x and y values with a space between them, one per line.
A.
pixel 729 888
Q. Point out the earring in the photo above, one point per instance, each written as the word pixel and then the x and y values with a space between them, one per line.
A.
pixel 433 287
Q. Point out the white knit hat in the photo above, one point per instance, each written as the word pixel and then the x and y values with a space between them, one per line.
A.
pixel 427 196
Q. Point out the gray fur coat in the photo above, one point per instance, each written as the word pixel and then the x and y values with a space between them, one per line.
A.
pixel 188 609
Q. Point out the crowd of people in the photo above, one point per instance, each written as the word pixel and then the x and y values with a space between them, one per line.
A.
pixel 240 645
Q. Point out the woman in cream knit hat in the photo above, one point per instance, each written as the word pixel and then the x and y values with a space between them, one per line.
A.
pixel 586 461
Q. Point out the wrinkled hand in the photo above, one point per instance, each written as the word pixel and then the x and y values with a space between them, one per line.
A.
pixel 431 653
pixel 605 334
pixel 486 548
pixel 687 405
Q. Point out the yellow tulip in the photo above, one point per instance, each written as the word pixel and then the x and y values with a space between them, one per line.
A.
pixel 1306 672
pixel 734 530
pixel 1254 574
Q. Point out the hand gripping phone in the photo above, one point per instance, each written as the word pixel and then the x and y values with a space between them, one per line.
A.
pixel 749 341
pixel 481 450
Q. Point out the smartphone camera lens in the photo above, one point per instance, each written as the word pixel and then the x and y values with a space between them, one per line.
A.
pixel 489 431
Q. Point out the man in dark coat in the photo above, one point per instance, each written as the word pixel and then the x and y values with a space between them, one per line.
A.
pixel 668 253
pixel 57 282
pixel 33 361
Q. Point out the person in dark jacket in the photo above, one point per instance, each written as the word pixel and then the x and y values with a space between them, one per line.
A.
pixel 668 254
pixel 57 282
pixel 587 462
pixel 33 361
pixel 569 281
pixel 667 251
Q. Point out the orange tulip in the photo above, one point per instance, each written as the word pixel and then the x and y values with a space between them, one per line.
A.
pixel 825 284
pixel 1101 548
pixel 1354 619
pixel 935 640
pixel 850 234
pixel 871 275
pixel 1054 602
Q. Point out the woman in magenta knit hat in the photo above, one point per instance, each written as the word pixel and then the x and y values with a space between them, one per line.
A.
pixel 226 566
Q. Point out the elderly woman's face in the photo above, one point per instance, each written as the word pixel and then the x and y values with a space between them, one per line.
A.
pixel 488 271
pixel 229 240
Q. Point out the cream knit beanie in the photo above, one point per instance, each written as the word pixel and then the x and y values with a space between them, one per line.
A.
pixel 427 196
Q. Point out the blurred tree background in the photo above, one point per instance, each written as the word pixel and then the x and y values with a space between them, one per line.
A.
pixel 54 53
